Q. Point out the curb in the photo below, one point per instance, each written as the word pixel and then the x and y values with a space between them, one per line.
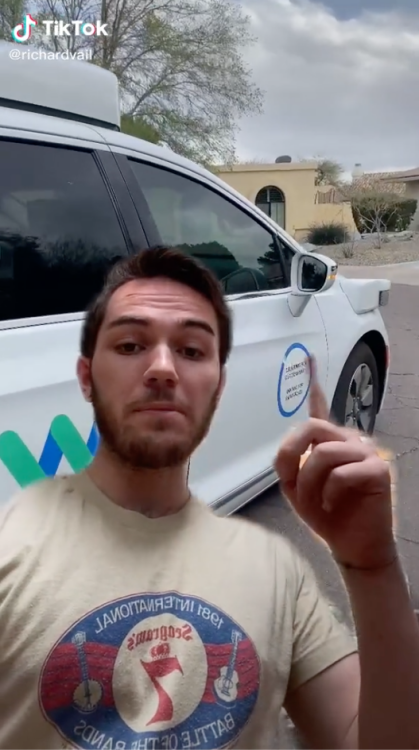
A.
pixel 404 264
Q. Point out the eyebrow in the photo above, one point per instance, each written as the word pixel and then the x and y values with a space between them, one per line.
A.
pixel 126 320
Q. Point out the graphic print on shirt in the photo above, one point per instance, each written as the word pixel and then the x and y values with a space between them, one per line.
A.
pixel 151 671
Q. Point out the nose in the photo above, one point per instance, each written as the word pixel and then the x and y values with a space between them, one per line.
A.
pixel 161 370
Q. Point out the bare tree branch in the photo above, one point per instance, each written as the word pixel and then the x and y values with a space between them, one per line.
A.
pixel 11 13
pixel 374 208
pixel 329 172
pixel 179 63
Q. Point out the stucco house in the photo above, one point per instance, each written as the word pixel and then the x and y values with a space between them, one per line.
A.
pixel 287 192
pixel 381 181
pixel 408 181
pixel 402 183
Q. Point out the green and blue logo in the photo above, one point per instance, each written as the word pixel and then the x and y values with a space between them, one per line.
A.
pixel 63 440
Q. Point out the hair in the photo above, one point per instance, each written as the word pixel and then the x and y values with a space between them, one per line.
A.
pixel 159 261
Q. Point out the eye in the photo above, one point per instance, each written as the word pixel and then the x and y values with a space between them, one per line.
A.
pixel 191 352
pixel 129 347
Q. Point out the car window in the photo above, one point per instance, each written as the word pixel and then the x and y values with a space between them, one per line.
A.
pixel 189 215
pixel 59 233
pixel 287 254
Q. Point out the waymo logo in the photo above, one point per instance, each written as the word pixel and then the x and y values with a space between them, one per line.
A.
pixel 63 440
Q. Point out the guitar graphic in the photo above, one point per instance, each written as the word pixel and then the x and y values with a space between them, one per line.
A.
pixel 88 694
pixel 226 685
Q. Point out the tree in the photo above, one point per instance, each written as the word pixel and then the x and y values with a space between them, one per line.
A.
pixel 11 12
pixel 374 211
pixel 179 63
pixel 137 127
pixel 329 172
pixel 378 213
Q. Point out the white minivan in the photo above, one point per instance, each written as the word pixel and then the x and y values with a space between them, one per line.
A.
pixel 76 195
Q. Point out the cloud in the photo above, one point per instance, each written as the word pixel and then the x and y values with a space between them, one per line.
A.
pixel 344 89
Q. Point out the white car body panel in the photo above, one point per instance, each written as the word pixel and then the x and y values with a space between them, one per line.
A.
pixel 38 355
pixel 343 330
pixel 248 425
pixel 363 294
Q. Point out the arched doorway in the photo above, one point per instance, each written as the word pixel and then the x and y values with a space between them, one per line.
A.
pixel 271 201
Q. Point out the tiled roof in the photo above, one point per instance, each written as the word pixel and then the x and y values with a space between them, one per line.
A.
pixel 380 181
pixel 408 174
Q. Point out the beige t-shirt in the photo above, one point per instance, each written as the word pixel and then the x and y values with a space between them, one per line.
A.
pixel 118 631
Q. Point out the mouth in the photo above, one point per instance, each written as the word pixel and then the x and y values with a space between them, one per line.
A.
pixel 160 409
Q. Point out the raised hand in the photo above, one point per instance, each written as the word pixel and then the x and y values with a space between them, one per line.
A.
pixel 343 489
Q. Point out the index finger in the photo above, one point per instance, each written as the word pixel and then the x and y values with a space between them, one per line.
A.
pixel 312 432
pixel 317 403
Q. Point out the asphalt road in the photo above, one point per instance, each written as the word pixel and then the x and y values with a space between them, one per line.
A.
pixel 398 430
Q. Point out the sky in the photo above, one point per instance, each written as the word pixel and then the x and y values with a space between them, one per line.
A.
pixel 341 81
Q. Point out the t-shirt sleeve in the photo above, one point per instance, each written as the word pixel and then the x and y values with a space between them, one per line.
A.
pixel 23 524
pixel 319 639
pixel 15 531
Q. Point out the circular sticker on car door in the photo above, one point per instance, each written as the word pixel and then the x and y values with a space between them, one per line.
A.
pixel 294 380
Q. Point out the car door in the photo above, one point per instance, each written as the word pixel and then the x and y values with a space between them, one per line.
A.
pixel 59 234
pixel 267 374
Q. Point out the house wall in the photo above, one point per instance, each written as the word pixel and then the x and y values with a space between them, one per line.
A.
pixel 412 191
pixel 338 213
pixel 331 209
pixel 297 182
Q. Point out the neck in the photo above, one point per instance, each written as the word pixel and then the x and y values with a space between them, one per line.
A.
pixel 153 493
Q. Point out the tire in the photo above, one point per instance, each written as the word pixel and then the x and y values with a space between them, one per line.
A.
pixel 358 391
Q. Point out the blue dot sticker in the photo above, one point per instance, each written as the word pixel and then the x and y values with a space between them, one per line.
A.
pixel 294 380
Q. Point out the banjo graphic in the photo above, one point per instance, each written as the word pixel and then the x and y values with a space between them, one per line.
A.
pixel 88 694
pixel 226 685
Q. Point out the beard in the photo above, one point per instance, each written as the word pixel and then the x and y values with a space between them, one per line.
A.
pixel 149 448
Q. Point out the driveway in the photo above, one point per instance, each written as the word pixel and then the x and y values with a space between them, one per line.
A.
pixel 400 273
pixel 397 429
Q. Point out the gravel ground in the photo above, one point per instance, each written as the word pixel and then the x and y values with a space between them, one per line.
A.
pixel 366 252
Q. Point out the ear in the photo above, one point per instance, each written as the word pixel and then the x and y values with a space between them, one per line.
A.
pixel 84 377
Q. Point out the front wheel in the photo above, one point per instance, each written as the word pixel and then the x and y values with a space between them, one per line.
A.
pixel 357 396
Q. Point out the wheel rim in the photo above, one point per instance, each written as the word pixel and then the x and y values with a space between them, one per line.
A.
pixel 360 400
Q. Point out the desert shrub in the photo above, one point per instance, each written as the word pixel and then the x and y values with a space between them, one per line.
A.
pixel 382 212
pixel 328 233
pixel 348 250
pixel 407 209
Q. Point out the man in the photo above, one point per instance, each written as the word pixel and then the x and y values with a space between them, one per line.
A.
pixel 132 617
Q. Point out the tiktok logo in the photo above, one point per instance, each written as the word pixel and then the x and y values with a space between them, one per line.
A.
pixel 22 32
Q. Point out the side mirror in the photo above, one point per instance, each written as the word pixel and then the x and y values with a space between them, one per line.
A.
pixel 310 274
pixel 316 273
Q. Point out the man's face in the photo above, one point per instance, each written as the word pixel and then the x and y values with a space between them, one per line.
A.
pixel 155 377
